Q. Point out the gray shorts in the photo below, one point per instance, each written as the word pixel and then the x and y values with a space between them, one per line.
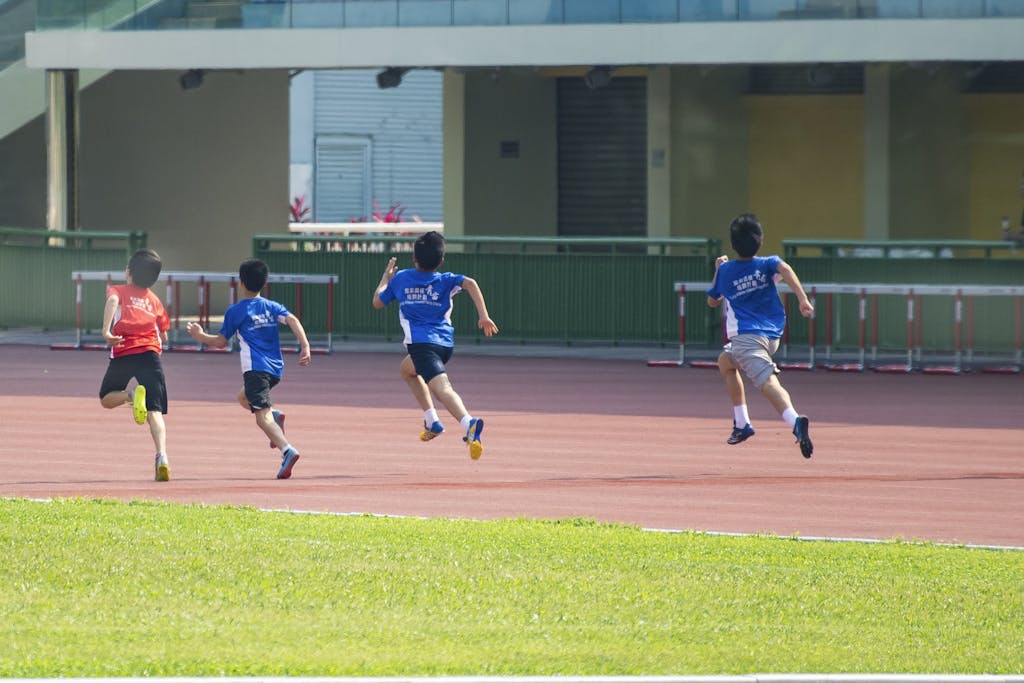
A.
pixel 752 354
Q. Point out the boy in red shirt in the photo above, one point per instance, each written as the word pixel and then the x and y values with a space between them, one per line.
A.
pixel 135 325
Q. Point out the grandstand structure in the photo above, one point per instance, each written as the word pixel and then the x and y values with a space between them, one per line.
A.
pixel 853 119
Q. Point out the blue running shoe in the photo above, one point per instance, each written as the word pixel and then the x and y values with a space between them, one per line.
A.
pixel 288 460
pixel 472 437
pixel 740 435
pixel 431 432
pixel 279 419
pixel 803 437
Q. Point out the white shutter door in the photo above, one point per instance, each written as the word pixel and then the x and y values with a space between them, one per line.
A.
pixel 342 191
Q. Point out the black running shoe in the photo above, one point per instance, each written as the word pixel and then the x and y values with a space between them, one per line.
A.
pixel 740 435
pixel 803 437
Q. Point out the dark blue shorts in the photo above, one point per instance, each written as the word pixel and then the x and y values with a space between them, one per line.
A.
pixel 257 388
pixel 429 359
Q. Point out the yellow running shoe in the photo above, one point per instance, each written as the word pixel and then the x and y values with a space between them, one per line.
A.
pixel 163 470
pixel 139 404
pixel 476 449
pixel 431 432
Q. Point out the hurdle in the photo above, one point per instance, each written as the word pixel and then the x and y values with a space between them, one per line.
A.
pixel 203 281
pixel 962 300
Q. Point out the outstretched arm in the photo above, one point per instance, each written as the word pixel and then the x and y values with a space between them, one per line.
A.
pixel 385 279
pixel 195 330
pixel 790 278
pixel 300 333
pixel 485 323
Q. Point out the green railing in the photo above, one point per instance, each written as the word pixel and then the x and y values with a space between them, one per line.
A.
pixel 35 273
pixel 537 289
pixel 929 262
pixel 902 249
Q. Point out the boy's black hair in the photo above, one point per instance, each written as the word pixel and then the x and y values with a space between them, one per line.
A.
pixel 145 266
pixel 253 274
pixel 428 250
pixel 746 235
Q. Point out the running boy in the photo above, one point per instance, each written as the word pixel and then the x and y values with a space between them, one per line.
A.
pixel 755 320
pixel 255 319
pixel 425 307
pixel 135 325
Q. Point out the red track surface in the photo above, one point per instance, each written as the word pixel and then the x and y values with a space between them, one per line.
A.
pixel 911 457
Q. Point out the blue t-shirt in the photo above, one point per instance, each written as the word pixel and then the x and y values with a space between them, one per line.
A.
pixel 256 320
pixel 424 304
pixel 752 301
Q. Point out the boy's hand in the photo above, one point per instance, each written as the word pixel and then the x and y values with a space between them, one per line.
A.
pixel 806 309
pixel 389 270
pixel 195 330
pixel 720 260
pixel 304 356
pixel 488 326
pixel 112 339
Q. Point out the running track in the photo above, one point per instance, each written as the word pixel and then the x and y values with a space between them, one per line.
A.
pixel 910 457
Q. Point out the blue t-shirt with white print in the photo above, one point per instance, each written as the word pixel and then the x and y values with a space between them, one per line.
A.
pixel 752 300
pixel 256 320
pixel 424 304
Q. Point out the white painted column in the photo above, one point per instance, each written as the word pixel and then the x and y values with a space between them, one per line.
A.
pixel 62 149
pixel 454 153
pixel 659 148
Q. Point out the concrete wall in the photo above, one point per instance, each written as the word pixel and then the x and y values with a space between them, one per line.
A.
pixel 710 140
pixel 996 159
pixel 201 170
pixel 806 166
pixel 23 177
pixel 510 196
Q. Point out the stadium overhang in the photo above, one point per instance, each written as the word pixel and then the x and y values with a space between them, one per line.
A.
pixel 768 42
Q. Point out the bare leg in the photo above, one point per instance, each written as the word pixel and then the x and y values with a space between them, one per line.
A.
pixel 242 400
pixel 265 421
pixel 416 384
pixel 445 393
pixel 157 430
pixel 115 399
pixel 776 394
pixel 733 381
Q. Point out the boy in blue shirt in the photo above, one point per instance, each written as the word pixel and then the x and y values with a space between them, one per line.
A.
pixel 425 307
pixel 255 319
pixel 755 320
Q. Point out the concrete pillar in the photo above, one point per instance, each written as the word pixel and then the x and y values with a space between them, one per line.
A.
pixel 454 155
pixel 62 149
pixel 659 149
pixel 877 151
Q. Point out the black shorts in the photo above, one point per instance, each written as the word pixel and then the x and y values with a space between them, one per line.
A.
pixel 257 388
pixel 146 369
pixel 429 359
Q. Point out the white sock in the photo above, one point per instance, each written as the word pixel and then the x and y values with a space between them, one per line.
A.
pixel 790 416
pixel 465 422
pixel 740 416
pixel 284 448
pixel 430 416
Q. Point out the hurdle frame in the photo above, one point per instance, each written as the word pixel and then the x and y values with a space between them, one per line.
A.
pixel 962 297
pixel 203 280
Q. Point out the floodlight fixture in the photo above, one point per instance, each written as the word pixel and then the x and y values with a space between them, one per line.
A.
pixel 191 79
pixel 391 77
pixel 598 77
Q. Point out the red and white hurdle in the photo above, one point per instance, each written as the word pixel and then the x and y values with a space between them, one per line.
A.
pixel 867 297
pixel 203 281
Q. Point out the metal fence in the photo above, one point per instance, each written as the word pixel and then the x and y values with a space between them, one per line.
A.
pixel 35 273
pixel 565 290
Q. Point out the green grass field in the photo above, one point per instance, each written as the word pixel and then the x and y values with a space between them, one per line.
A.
pixel 99 588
